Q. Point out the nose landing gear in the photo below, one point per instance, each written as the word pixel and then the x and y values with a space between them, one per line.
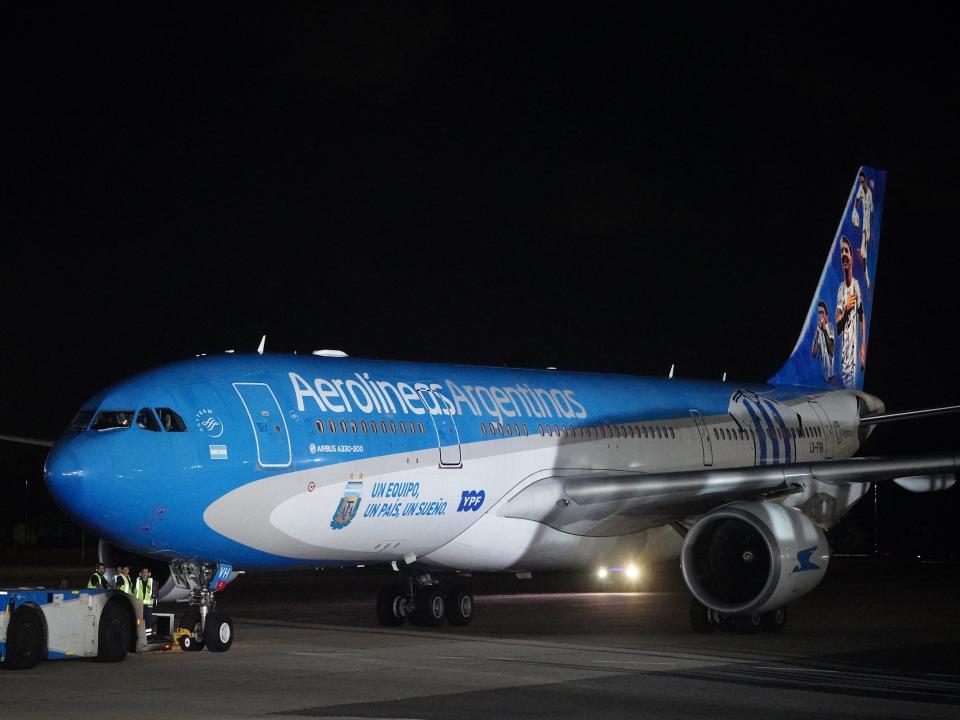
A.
pixel 202 625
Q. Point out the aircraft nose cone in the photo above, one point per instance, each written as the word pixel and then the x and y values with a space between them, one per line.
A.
pixel 73 477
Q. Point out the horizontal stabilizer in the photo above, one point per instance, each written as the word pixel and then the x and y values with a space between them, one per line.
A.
pixel 909 415
pixel 926 483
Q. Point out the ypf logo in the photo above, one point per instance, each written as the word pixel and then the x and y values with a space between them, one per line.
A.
pixel 208 423
pixel 471 500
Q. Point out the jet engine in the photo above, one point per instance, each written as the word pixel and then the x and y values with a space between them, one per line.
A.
pixel 753 557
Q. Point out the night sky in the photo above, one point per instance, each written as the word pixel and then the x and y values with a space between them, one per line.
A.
pixel 586 187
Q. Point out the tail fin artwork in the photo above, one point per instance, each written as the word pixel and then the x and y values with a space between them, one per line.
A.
pixel 832 348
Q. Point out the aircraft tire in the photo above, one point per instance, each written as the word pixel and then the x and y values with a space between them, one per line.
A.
pixel 26 639
pixel 700 617
pixel 459 606
pixel 190 621
pixel 747 624
pixel 773 621
pixel 430 606
pixel 115 632
pixel 390 607
pixel 218 635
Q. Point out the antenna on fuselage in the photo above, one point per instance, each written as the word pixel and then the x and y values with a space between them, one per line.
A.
pixel 263 344
pixel 670 374
pixel 724 379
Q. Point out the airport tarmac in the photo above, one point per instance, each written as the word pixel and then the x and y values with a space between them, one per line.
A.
pixel 875 640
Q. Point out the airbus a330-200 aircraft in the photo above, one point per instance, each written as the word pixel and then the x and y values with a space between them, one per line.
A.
pixel 220 464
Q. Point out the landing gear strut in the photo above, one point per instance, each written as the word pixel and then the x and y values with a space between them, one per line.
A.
pixel 202 625
pixel 425 601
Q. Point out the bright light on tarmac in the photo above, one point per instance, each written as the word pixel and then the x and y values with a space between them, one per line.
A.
pixel 632 572
pixel 602 573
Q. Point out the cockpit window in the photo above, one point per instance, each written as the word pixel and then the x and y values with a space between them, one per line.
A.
pixel 171 421
pixel 146 420
pixel 112 420
pixel 81 420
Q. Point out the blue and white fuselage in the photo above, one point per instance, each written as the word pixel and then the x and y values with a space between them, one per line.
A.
pixel 425 455
pixel 277 462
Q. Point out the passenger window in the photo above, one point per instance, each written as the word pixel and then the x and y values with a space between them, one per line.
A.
pixel 333 428
pixel 540 428
pixel 373 427
pixel 420 425
pixel 500 429
pixel 353 426
pixel 393 427
pixel 525 432
pixel 509 431
pixel 146 420
pixel 81 420
pixel 363 425
pixel 413 430
pixel 403 427
pixel 319 426
pixel 343 425
pixel 171 421
pixel 483 429
pixel 383 426
pixel 516 430
pixel 672 434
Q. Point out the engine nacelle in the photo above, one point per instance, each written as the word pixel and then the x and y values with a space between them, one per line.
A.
pixel 752 557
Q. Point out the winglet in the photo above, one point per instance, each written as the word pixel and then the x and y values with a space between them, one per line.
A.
pixel 263 344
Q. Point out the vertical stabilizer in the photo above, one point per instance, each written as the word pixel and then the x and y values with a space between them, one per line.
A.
pixel 832 348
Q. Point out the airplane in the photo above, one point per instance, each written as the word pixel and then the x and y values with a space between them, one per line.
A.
pixel 221 464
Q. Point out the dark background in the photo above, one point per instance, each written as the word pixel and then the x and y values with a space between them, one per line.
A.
pixel 588 187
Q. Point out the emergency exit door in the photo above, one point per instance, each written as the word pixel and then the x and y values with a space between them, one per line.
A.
pixel 704 437
pixel 269 426
pixel 448 439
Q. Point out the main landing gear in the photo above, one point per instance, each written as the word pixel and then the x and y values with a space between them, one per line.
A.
pixel 202 625
pixel 425 601
pixel 705 620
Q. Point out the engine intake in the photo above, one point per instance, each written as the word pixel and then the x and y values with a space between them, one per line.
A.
pixel 752 557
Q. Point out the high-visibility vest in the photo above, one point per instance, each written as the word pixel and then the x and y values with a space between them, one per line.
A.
pixel 123 583
pixel 144 593
pixel 99 582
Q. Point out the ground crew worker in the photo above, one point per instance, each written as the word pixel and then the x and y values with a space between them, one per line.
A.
pixel 123 579
pixel 143 589
pixel 99 578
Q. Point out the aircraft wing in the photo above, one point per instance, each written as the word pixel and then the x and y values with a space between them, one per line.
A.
pixel 617 503
pixel 26 440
